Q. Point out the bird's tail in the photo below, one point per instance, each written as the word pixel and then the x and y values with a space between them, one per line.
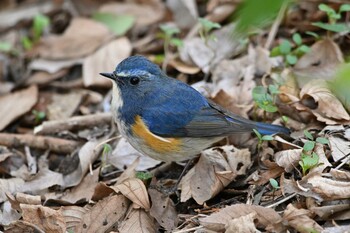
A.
pixel 268 129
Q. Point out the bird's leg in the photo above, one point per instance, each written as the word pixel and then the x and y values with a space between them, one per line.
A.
pixel 175 187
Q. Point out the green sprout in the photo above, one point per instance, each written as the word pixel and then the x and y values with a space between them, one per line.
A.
pixel 39 116
pixel 274 184
pixel 310 159
pixel 118 24
pixel 205 27
pixel 40 23
pixel 262 138
pixel 104 158
pixel 333 17
pixel 290 54
pixel 265 98
pixel 143 175
pixel 168 34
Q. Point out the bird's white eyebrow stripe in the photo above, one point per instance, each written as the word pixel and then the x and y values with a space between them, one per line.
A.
pixel 139 72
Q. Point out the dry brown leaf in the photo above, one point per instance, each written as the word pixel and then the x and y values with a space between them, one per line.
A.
pixel 185 12
pixel 267 218
pixel 87 155
pixel 340 175
pixel 242 224
pixel 319 63
pixel 337 229
pixel 163 210
pixel 73 216
pixel 103 215
pixel 53 66
pixel 138 220
pixel 81 38
pixel 105 59
pixel 11 185
pixel 24 100
pixel 318 187
pixel 145 14
pixel 288 159
pixel 42 77
pixel 326 107
pixel 45 218
pixel 209 176
pixel 135 190
pixel 63 106
pixel 300 219
pixel 332 212
pixel 340 148
pixel 83 191
pixel 195 51
pixel 8 214
pixel 130 172
pixel 183 68
pixel 322 159
pixel 28 199
pixel 124 155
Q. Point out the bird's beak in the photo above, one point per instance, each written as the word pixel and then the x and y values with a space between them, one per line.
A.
pixel 108 75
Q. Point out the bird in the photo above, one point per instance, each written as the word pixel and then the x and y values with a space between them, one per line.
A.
pixel 167 119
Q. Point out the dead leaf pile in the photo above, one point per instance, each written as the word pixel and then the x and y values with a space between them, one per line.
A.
pixel 65 168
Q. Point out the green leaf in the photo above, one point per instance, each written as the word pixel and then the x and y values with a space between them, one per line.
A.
pixel 308 161
pixel 26 43
pixel 309 146
pixel 118 24
pixel 297 38
pixel 169 30
pixel 275 51
pixel 143 175
pixel 340 85
pixel 308 135
pixel 267 138
pixel 207 24
pixel 106 148
pixel 274 183
pixel 258 134
pixel 337 27
pixel 285 47
pixel 285 119
pixel 273 89
pixel 344 8
pixel 257 13
pixel 322 140
pixel 263 99
pixel 291 59
pixel 39 25
pixel 5 46
pixel 176 42
pixel 325 8
pixel 304 48
pixel 313 34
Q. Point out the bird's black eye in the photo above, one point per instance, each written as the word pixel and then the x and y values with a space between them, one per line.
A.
pixel 134 80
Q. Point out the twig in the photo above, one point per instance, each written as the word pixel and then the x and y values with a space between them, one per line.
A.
pixel 281 201
pixel 57 145
pixel 76 122
pixel 275 25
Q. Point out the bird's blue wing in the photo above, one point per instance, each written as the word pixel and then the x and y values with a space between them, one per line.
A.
pixel 183 112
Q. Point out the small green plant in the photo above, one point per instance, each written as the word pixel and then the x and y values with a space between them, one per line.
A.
pixel 40 23
pixel 168 34
pixel 309 159
pixel 274 184
pixel 265 97
pixel 144 175
pixel 262 138
pixel 290 54
pixel 205 27
pixel 39 116
pixel 333 17
pixel 104 158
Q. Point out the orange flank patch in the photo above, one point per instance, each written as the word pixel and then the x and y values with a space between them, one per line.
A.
pixel 157 143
